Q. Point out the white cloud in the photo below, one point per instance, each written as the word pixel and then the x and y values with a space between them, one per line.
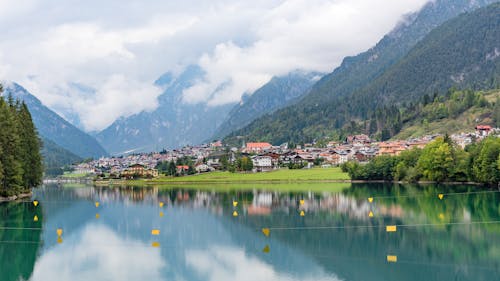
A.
pixel 120 47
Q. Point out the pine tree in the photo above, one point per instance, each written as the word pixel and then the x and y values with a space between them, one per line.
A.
pixel 20 160
pixel 9 141
pixel 29 147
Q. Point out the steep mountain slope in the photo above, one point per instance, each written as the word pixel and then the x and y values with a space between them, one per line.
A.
pixel 55 157
pixel 277 93
pixel 348 92
pixel 54 128
pixel 174 123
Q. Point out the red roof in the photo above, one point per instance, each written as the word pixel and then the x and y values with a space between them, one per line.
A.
pixel 258 145
pixel 184 167
pixel 483 127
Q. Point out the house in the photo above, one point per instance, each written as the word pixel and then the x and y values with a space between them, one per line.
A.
pixel 257 147
pixel 181 169
pixel 364 156
pixel 262 163
pixel 203 168
pixel 391 148
pixel 358 139
pixel 483 130
pixel 138 170
pixel 341 157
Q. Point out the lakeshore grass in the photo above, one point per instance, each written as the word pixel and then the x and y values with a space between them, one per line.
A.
pixel 278 176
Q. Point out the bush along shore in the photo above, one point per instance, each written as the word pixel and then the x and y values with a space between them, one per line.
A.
pixel 440 161
pixel 20 160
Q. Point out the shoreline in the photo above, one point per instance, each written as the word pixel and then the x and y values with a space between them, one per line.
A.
pixel 15 197
pixel 146 182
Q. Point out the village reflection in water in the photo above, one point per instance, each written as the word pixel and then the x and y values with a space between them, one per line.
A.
pixel 165 233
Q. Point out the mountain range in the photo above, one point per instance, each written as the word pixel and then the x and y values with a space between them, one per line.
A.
pixel 445 44
pixel 407 63
pixel 54 128
pixel 280 92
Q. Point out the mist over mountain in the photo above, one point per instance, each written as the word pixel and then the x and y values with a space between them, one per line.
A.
pixel 175 122
pixel 355 88
pixel 53 127
pixel 278 93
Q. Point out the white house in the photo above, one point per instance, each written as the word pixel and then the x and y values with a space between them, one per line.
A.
pixel 262 163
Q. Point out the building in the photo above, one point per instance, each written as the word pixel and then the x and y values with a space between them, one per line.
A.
pixel 262 163
pixel 483 130
pixel 138 170
pixel 257 147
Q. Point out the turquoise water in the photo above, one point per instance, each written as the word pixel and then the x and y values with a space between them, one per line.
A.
pixel 202 238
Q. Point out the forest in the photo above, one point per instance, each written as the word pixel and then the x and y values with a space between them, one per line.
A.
pixel 21 165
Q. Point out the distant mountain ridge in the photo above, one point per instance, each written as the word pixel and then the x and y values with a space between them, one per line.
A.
pixel 353 90
pixel 278 93
pixel 54 128
pixel 173 124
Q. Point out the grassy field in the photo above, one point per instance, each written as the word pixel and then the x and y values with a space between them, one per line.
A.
pixel 230 187
pixel 73 176
pixel 298 177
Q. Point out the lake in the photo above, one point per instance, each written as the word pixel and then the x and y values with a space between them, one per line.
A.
pixel 407 232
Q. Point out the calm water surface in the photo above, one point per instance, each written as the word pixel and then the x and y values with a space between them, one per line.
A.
pixel 203 236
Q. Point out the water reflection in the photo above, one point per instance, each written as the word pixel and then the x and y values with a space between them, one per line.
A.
pixel 455 238
pixel 99 253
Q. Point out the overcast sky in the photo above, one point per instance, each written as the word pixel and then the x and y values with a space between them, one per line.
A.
pixel 98 59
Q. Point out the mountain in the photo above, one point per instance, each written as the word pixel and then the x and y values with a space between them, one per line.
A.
pixel 55 157
pixel 174 123
pixel 362 83
pixel 277 93
pixel 54 128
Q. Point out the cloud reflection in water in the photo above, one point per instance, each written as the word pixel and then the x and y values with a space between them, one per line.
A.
pixel 100 254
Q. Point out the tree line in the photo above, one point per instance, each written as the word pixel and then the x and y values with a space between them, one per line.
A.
pixel 441 160
pixel 20 161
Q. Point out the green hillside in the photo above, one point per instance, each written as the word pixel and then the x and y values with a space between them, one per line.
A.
pixel 463 53
pixel 447 116
pixel 55 157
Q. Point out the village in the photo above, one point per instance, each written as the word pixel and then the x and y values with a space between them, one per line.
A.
pixel 264 156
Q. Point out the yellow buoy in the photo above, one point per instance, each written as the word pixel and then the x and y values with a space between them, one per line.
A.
pixel 440 196
pixel 161 204
pixel 370 214
pixel 301 201
pixel 35 218
pixel 161 214
pixel 370 199
pixel 97 216
pixel 266 249
pixel 59 232
pixel 391 258
pixel 391 228
pixel 155 244
pixel 35 203
pixel 96 204
pixel 155 232
pixel 302 213
pixel 441 216
pixel 266 231
pixel 235 203
pixel 59 240
pixel 235 214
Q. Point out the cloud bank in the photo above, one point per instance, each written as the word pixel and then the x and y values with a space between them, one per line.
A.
pixel 115 50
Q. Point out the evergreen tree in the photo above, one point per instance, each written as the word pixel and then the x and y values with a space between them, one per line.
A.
pixel 29 142
pixel 9 141
pixel 20 160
